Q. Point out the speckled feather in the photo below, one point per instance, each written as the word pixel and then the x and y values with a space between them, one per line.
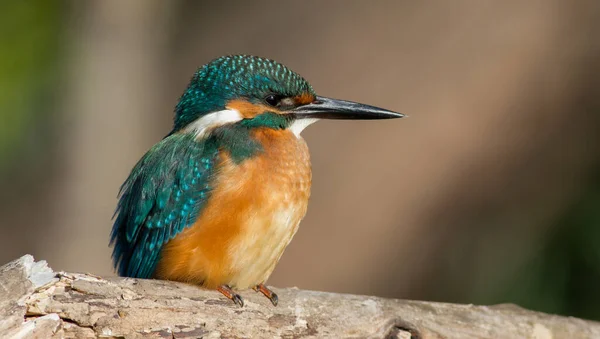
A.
pixel 163 194
pixel 234 77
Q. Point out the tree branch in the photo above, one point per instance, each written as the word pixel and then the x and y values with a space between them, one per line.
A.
pixel 37 302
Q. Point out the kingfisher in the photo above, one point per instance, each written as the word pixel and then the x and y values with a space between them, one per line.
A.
pixel 217 201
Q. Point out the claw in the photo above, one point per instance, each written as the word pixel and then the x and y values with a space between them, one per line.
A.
pixel 267 293
pixel 274 299
pixel 230 294
pixel 238 300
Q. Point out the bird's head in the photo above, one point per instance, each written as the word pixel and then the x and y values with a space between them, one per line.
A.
pixel 258 92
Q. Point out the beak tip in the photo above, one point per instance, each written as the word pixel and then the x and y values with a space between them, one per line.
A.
pixel 392 115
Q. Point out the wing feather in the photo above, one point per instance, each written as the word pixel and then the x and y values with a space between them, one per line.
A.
pixel 162 196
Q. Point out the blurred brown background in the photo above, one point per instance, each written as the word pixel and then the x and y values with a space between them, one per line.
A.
pixel 488 193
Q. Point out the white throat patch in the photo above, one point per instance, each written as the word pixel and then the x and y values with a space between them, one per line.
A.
pixel 299 125
pixel 202 126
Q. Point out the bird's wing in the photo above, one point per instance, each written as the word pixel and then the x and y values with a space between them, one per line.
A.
pixel 163 195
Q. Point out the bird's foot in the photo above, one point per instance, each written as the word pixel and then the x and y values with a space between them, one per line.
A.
pixel 267 293
pixel 230 294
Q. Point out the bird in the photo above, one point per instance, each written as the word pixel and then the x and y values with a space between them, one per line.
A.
pixel 216 202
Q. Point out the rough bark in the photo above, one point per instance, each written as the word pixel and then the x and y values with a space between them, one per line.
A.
pixel 36 302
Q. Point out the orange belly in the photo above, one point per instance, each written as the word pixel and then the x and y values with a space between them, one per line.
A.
pixel 252 214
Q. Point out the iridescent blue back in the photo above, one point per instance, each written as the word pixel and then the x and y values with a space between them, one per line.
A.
pixel 163 194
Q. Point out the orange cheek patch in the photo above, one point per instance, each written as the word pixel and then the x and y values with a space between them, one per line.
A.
pixel 305 98
pixel 249 110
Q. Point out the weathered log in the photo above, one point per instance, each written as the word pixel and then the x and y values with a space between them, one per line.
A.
pixel 36 302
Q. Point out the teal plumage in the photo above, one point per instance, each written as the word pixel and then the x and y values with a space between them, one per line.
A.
pixel 163 194
pixel 233 77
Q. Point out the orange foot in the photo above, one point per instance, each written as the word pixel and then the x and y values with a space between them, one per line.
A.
pixel 268 293
pixel 230 294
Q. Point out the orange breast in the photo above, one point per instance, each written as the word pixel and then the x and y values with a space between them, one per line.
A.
pixel 252 214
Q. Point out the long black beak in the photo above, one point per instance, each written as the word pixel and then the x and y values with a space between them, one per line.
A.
pixel 327 108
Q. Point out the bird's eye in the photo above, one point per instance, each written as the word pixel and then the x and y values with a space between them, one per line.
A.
pixel 272 100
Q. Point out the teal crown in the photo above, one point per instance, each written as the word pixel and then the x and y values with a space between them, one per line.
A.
pixel 235 77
